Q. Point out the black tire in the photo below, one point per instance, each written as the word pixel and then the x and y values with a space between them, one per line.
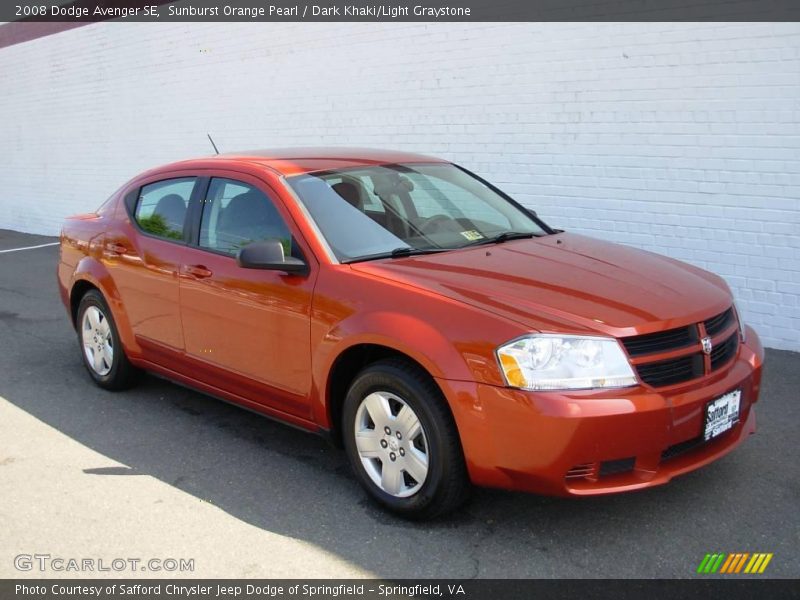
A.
pixel 122 374
pixel 446 485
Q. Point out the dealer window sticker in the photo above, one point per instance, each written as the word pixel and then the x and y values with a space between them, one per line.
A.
pixel 472 235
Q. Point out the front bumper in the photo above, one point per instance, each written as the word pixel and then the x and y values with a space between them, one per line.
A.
pixel 598 442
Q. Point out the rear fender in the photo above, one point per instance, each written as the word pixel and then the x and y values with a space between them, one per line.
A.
pixel 93 271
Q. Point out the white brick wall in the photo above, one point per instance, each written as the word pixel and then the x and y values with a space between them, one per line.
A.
pixel 678 138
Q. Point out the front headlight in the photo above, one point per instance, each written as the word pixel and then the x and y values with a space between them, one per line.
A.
pixel 564 362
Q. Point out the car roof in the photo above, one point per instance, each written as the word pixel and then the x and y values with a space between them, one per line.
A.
pixel 297 161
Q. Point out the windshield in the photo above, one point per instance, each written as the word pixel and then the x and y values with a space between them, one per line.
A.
pixel 369 212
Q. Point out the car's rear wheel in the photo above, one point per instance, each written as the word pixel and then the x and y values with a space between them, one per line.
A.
pixel 402 441
pixel 102 352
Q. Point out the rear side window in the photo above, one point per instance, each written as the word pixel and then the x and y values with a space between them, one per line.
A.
pixel 236 214
pixel 162 207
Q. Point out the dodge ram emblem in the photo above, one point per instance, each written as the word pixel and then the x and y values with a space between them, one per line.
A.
pixel 707 345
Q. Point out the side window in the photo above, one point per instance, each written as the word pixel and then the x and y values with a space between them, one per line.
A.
pixel 236 214
pixel 162 207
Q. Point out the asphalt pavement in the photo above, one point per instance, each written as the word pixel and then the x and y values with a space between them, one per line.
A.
pixel 161 471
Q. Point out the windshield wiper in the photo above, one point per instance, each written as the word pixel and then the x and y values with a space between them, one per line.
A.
pixel 407 251
pixel 401 252
pixel 502 237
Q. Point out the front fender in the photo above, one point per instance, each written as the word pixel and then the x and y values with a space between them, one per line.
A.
pixel 404 333
pixel 400 332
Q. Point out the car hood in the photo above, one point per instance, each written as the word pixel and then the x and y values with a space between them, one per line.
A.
pixel 566 282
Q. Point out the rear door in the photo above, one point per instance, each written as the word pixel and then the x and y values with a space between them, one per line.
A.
pixel 144 256
pixel 249 328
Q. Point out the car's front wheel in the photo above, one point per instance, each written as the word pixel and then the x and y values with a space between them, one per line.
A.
pixel 101 349
pixel 402 441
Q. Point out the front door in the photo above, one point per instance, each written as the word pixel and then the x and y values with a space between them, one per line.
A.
pixel 250 328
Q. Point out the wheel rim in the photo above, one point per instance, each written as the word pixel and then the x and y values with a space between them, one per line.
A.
pixel 98 344
pixel 391 444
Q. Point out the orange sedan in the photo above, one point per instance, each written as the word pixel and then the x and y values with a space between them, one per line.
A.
pixel 417 315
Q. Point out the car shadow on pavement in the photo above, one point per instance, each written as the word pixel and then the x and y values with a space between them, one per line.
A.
pixel 296 484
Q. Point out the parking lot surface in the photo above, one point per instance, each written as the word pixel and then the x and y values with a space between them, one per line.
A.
pixel 161 471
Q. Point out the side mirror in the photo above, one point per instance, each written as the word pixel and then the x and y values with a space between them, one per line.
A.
pixel 268 255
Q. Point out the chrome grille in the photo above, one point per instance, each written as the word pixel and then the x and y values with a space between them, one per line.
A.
pixel 582 471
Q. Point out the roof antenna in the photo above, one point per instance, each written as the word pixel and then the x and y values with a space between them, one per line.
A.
pixel 212 143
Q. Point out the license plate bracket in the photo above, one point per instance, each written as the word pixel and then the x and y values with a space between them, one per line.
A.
pixel 721 414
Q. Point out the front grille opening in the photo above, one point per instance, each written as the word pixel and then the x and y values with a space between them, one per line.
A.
pixel 719 323
pixel 662 373
pixel 725 352
pixel 681 448
pixel 583 471
pixel 672 371
pixel 616 467
pixel 661 341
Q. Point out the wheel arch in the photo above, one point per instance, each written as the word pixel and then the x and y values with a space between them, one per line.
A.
pixel 76 294
pixel 347 365
pixel 92 274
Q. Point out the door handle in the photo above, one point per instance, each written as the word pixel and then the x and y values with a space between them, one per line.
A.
pixel 115 248
pixel 198 271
